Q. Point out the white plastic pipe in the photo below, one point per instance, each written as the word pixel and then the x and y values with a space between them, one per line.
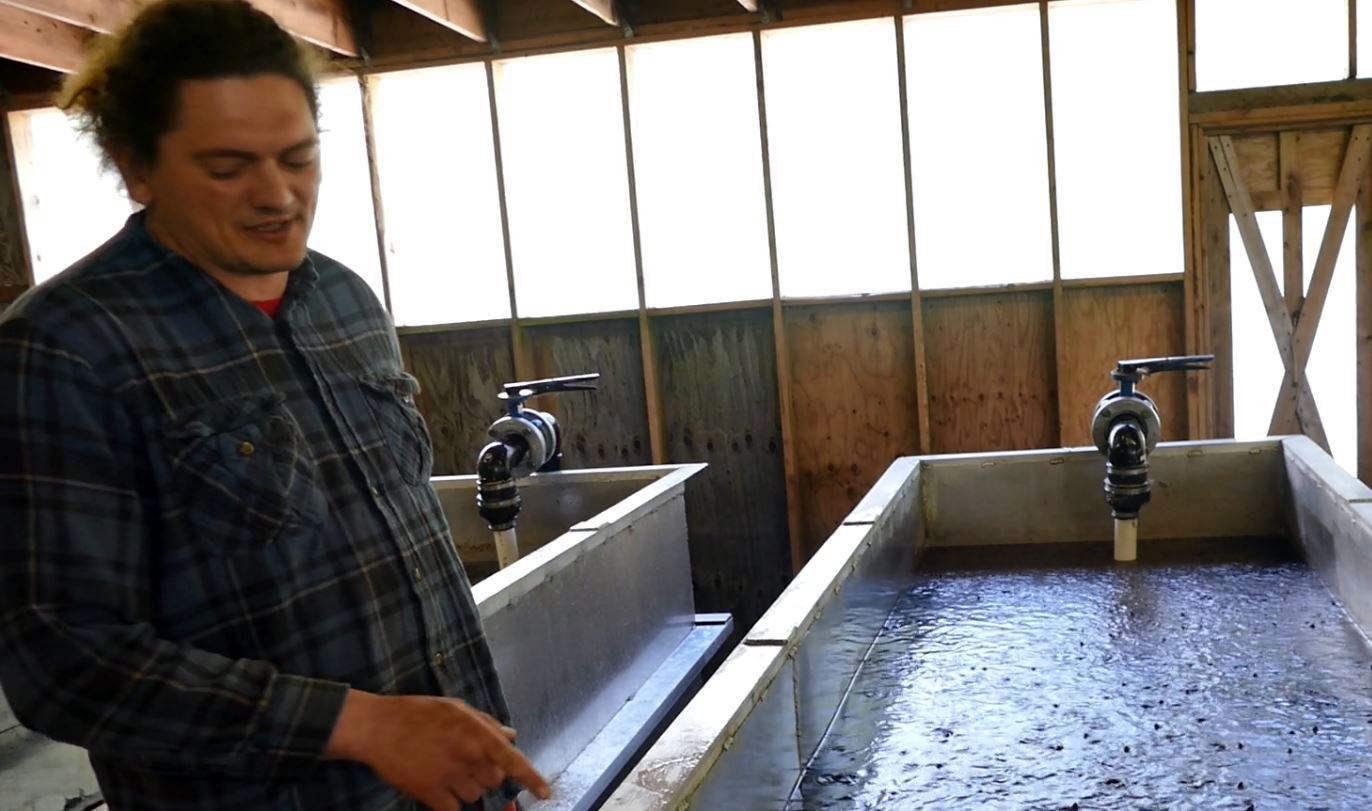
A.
pixel 1126 539
pixel 506 547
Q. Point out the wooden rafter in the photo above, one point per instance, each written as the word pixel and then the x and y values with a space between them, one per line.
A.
pixel 322 22
pixel 1306 415
pixel 37 40
pixel 1351 177
pixel 462 16
pixel 604 9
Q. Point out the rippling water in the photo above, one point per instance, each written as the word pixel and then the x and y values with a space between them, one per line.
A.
pixel 1225 680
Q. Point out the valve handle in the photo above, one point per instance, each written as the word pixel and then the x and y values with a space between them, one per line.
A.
pixel 1129 372
pixel 514 394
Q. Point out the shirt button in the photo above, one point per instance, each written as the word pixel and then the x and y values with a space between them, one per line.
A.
pixel 438 661
pixel 418 575
pixel 245 448
pixel 376 493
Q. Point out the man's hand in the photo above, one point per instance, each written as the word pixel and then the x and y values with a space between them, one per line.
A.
pixel 440 751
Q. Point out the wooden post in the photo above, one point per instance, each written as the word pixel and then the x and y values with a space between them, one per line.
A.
pixel 521 359
pixel 1364 333
pixel 1213 300
pixel 1289 181
pixel 14 243
pixel 367 83
pixel 657 440
pixel 1059 308
pixel 788 432
pixel 916 299
pixel 1199 388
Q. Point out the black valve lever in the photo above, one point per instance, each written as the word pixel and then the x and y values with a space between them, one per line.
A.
pixel 1130 372
pixel 514 394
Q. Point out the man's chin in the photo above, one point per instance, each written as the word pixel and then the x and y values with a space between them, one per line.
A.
pixel 270 266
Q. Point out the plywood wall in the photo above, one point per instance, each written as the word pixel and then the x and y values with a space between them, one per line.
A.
pixel 992 372
pixel 992 379
pixel 1101 326
pixel 853 387
pixel 719 399
pixel 460 374
pixel 607 427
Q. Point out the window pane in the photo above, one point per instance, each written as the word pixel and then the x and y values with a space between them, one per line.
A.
pixel 1257 363
pixel 1364 37
pixel 1333 366
pixel 698 165
pixel 979 149
pixel 71 204
pixel 1257 43
pixel 1117 136
pixel 838 178
pixel 566 183
pixel 445 255
pixel 345 220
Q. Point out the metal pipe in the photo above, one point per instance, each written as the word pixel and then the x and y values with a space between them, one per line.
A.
pixel 1126 539
pixel 497 497
pixel 1127 487
pixel 506 547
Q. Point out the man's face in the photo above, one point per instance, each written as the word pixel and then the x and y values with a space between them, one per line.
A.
pixel 234 185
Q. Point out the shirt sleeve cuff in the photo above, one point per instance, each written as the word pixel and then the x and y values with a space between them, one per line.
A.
pixel 294 726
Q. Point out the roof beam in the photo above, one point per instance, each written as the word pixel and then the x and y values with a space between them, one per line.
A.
pixel 38 40
pixel 604 9
pixel 322 22
pixel 462 16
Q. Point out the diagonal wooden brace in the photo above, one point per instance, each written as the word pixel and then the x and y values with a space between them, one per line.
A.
pixel 1305 415
pixel 1351 177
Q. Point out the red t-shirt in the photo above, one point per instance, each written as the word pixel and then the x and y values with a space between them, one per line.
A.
pixel 269 306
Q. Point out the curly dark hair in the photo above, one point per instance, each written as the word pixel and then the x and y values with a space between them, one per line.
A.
pixel 126 94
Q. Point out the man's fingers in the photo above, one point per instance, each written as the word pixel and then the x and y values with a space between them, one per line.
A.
pixel 467 789
pixel 489 775
pixel 493 723
pixel 522 771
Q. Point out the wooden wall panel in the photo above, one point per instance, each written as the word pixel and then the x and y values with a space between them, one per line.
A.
pixel 1258 165
pixel 1103 325
pixel 460 374
pixel 719 406
pixel 855 405
pixel 607 427
pixel 1320 159
pixel 992 372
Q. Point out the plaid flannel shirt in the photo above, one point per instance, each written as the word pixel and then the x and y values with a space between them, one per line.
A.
pixel 212 523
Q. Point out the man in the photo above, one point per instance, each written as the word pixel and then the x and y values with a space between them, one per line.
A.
pixel 223 570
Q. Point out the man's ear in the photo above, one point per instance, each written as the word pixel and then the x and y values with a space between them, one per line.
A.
pixel 136 174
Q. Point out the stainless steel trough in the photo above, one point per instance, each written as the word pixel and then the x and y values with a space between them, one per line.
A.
pixel 594 631
pixel 747 736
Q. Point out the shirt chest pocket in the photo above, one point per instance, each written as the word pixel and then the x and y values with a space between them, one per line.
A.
pixel 400 427
pixel 241 473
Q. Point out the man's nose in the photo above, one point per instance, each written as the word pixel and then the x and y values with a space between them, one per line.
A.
pixel 270 188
